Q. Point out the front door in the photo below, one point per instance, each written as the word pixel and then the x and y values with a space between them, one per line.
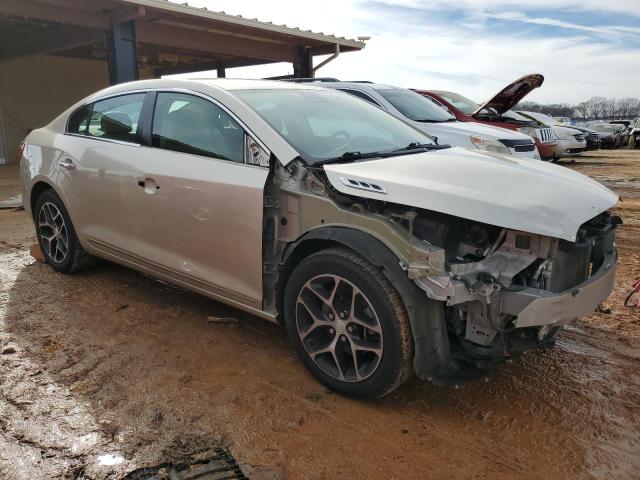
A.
pixel 198 207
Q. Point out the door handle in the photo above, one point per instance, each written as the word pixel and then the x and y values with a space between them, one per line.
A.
pixel 67 164
pixel 149 185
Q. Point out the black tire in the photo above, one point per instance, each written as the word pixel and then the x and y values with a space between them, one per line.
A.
pixel 75 258
pixel 395 364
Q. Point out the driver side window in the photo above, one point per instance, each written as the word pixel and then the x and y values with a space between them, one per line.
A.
pixel 190 124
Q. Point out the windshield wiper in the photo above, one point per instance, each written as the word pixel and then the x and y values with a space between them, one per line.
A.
pixel 414 147
pixel 420 146
pixel 352 156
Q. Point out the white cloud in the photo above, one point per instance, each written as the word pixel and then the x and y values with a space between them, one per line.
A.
pixel 465 56
pixel 604 30
pixel 624 7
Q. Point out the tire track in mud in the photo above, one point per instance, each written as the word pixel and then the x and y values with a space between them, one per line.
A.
pixel 608 369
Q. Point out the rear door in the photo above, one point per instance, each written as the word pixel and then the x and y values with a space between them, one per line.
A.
pixel 94 168
pixel 198 206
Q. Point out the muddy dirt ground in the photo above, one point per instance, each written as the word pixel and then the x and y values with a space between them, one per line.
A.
pixel 107 370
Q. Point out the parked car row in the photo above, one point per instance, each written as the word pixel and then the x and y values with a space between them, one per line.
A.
pixel 452 119
pixel 634 135
pixel 497 111
pixel 614 133
pixel 381 252
pixel 436 122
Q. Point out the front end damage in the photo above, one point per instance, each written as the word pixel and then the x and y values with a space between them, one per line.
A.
pixel 508 291
pixel 476 294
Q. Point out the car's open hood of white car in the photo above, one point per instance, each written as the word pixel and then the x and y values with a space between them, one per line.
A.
pixel 534 197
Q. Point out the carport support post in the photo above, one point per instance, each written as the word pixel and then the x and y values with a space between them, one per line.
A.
pixel 123 54
pixel 220 70
pixel 302 62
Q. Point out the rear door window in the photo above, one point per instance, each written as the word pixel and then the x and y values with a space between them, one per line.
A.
pixel 116 118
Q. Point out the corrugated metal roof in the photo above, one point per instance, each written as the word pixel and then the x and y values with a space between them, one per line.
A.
pixel 203 12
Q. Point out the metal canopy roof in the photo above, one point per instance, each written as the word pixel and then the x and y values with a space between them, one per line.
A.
pixel 238 20
pixel 169 36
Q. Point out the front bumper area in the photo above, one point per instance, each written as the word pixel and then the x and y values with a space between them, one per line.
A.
pixel 519 296
pixel 536 307
pixel 566 148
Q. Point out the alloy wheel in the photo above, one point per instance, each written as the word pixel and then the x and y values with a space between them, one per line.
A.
pixel 339 328
pixel 53 232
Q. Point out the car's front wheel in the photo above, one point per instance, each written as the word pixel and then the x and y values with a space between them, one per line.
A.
pixel 56 235
pixel 348 324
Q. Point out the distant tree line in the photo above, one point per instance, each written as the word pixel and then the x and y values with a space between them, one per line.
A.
pixel 594 108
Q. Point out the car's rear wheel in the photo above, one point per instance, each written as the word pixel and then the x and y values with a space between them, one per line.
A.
pixel 56 235
pixel 348 324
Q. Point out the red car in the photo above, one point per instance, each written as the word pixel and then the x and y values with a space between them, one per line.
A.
pixel 497 111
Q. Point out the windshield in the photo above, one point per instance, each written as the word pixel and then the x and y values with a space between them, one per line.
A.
pixel 463 104
pixel 602 128
pixel 517 116
pixel 542 118
pixel 325 124
pixel 414 106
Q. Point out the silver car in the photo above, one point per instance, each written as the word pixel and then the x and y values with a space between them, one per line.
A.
pixel 381 253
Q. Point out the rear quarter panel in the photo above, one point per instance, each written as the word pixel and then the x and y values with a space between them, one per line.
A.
pixel 39 163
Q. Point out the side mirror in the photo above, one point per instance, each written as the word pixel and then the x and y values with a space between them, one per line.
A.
pixel 254 154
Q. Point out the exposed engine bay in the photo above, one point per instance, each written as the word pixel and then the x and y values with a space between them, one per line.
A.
pixel 492 274
pixel 493 264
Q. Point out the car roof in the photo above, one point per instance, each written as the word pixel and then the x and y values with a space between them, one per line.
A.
pixel 219 84
pixel 356 85
pixel 250 84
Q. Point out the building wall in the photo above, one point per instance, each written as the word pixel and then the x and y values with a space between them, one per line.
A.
pixel 35 89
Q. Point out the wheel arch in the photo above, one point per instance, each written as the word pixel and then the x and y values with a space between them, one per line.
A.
pixel 38 188
pixel 322 238
pixel 41 185
pixel 432 358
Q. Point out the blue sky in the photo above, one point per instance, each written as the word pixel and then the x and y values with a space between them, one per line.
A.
pixel 584 48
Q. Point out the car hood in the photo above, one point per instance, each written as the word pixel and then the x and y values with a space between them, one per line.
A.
pixel 472 128
pixel 534 197
pixel 509 96
pixel 569 130
pixel 583 129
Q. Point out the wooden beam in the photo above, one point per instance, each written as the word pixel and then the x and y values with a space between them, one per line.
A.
pixel 201 41
pixel 35 10
pixel 49 42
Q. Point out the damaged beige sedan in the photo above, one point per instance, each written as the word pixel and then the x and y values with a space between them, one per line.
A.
pixel 381 252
